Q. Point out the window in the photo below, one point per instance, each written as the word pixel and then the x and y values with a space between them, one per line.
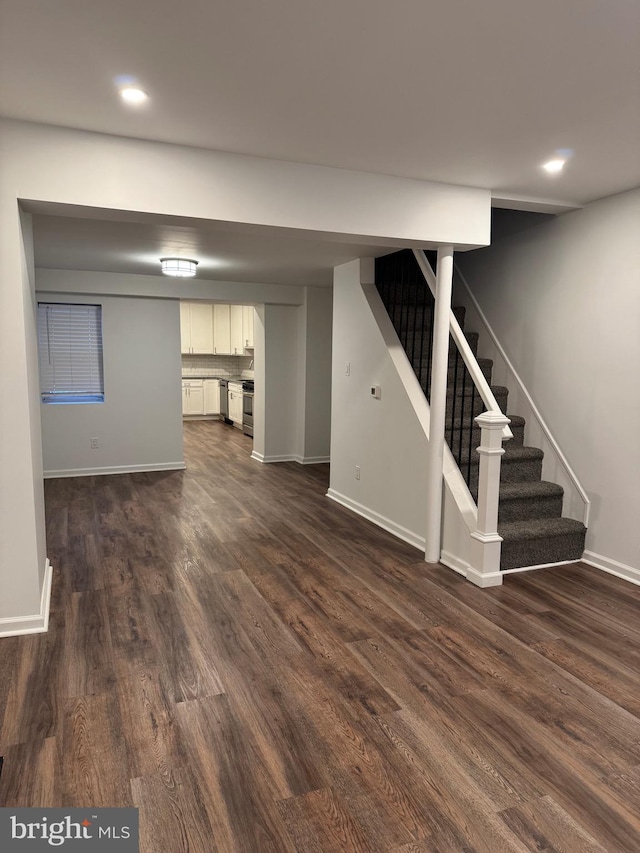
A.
pixel 70 353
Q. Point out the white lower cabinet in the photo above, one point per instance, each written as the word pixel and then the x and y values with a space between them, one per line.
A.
pixel 192 397
pixel 235 403
pixel 211 396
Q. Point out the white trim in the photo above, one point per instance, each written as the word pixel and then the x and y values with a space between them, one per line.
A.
pixel 484 580
pixel 612 567
pixel 452 562
pixel 115 469
pixel 543 426
pixel 377 519
pixel 539 566
pixel 286 457
pixel 38 623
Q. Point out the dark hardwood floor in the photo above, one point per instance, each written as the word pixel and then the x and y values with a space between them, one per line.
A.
pixel 257 669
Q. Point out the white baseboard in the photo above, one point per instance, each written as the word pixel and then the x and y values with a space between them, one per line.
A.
pixel 612 567
pixel 452 562
pixel 539 566
pixel 484 580
pixel 290 457
pixel 115 469
pixel 463 568
pixel 260 457
pixel 39 622
pixel 380 520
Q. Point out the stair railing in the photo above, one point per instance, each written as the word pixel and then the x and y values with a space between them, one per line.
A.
pixel 484 563
pixel 478 377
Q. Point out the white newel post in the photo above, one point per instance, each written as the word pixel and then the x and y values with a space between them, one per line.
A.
pixel 485 565
pixel 438 402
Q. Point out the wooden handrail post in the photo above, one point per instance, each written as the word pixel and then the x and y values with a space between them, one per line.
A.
pixel 486 541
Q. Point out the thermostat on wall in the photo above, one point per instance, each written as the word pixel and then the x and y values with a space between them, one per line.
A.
pixel 375 391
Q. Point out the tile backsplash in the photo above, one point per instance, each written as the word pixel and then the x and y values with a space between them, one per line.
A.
pixel 220 365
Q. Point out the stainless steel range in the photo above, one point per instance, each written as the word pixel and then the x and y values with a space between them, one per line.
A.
pixel 247 407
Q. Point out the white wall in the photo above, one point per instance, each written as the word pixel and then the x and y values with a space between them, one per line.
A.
pixel 563 298
pixel 22 540
pixel 314 378
pixel 139 425
pixel 383 437
pixel 276 415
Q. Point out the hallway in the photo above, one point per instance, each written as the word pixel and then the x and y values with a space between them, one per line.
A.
pixel 258 669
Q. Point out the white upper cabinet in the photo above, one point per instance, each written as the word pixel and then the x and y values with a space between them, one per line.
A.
pixel 196 328
pixel 237 346
pixel 201 328
pixel 222 329
pixel 248 313
pixel 207 329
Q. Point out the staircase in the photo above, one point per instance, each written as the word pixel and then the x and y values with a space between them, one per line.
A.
pixel 530 518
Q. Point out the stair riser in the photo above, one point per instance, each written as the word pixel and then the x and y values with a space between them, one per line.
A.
pixel 516 471
pixel 521 471
pixel 536 552
pixel 525 508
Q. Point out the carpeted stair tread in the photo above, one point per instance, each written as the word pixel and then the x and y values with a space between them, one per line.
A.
pixel 516 451
pixel 539 528
pixel 526 490
pixel 528 499
pixel 540 541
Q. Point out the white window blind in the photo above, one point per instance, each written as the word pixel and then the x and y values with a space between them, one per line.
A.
pixel 70 353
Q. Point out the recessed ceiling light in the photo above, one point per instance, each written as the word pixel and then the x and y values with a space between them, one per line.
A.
pixel 179 267
pixel 134 96
pixel 554 166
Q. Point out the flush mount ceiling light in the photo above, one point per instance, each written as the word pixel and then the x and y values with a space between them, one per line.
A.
pixel 179 267
pixel 133 95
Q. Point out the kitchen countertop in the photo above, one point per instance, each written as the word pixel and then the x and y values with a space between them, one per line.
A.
pixel 217 376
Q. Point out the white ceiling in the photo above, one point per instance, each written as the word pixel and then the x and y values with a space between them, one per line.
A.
pixel 461 91
pixel 119 242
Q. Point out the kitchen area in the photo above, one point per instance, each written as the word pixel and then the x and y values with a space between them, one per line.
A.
pixel 217 344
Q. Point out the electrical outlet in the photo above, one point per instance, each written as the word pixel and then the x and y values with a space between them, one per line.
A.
pixel 347 369
pixel 94 443
pixel 357 472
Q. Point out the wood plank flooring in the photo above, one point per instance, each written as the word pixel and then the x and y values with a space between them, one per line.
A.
pixel 257 669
